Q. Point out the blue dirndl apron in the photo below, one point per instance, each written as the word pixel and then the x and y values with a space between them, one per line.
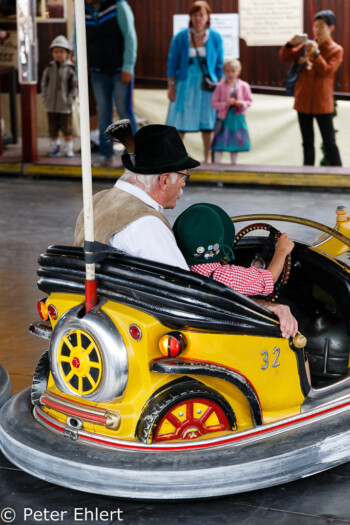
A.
pixel 231 133
pixel 191 110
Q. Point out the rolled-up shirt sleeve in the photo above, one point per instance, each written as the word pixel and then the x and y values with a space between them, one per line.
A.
pixel 247 281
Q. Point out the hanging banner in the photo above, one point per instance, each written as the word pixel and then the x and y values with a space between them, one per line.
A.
pixel 270 22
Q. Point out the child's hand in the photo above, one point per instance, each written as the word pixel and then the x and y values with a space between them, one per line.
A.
pixel 231 102
pixel 238 104
pixel 284 245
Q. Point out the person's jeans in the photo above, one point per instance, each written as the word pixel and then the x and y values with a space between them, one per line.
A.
pixel 325 124
pixel 109 89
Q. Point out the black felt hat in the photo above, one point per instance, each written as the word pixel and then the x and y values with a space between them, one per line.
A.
pixel 153 149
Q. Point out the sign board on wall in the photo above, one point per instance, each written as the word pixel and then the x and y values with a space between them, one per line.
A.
pixel 225 24
pixel 270 22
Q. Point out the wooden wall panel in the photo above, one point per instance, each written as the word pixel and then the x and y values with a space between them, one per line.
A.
pixel 154 22
pixel 261 66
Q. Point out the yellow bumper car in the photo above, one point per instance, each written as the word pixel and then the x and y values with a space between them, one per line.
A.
pixel 174 386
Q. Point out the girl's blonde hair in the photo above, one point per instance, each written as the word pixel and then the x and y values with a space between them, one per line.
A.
pixel 232 62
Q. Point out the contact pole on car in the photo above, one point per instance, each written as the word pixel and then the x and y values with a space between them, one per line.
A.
pixel 90 279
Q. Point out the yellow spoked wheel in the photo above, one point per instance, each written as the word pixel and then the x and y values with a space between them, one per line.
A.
pixel 80 362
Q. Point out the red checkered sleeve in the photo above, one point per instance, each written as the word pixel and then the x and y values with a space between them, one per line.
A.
pixel 247 281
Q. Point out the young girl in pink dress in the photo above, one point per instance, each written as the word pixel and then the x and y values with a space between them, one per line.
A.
pixel 231 98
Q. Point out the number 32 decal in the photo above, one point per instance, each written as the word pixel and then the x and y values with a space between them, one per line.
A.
pixel 276 352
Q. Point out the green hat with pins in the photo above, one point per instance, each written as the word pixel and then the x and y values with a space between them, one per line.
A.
pixel 204 233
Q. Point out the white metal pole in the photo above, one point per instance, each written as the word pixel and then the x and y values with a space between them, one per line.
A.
pixel 84 129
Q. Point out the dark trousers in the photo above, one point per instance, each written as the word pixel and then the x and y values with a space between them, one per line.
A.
pixel 325 124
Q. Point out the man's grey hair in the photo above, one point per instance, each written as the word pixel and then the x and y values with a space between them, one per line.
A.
pixel 145 182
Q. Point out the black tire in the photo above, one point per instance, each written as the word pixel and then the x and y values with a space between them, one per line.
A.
pixel 160 405
pixel 40 378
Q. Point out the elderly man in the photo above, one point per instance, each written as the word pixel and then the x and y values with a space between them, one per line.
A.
pixel 130 216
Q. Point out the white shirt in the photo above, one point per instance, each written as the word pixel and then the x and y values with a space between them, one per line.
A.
pixel 147 237
pixel 202 50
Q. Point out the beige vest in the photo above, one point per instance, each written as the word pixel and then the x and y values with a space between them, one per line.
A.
pixel 114 209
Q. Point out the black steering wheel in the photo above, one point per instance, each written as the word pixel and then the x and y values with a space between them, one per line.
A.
pixel 263 259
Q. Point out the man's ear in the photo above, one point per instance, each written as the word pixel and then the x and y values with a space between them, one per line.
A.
pixel 164 180
pixel 331 28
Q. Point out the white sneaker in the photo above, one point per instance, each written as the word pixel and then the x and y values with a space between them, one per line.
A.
pixel 70 154
pixel 54 152
pixel 103 161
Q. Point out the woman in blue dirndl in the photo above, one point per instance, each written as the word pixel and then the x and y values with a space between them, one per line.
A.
pixel 190 107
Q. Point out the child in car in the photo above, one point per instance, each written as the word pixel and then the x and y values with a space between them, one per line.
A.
pixel 205 235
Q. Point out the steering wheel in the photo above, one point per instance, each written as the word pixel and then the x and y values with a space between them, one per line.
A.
pixel 263 259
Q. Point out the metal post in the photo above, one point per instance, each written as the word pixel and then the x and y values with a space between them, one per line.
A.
pixel 28 76
pixel 90 281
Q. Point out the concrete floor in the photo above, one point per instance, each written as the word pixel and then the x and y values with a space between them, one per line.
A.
pixel 37 213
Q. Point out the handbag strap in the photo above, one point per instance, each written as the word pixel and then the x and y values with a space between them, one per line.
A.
pixel 199 58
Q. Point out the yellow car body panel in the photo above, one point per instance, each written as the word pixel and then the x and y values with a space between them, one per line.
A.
pixel 268 364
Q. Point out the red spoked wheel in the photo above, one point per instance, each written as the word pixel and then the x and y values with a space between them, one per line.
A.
pixel 185 411
pixel 263 260
pixel 191 419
